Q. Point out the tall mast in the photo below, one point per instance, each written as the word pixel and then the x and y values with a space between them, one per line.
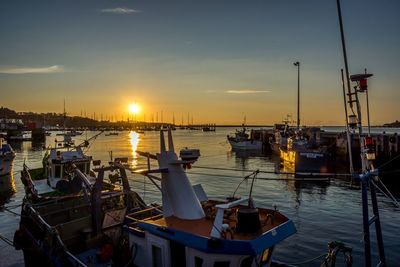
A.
pixel 64 115
pixel 297 64
pixel 367 155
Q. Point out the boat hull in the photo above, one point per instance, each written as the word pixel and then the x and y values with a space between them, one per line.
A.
pixel 246 145
pixel 305 161
pixel 6 163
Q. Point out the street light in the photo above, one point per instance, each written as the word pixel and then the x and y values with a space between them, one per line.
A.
pixel 297 64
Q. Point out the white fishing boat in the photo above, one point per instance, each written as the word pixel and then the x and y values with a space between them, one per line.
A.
pixel 242 141
pixel 56 163
pixel 192 230
pixel 189 154
pixel 7 156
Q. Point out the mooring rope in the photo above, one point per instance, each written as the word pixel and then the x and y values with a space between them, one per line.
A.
pixel 6 240
pixel 307 261
pixel 389 196
pixel 276 172
pixel 389 161
pixel 12 212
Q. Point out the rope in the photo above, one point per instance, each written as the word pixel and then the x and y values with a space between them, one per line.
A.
pixel 265 178
pixel 391 197
pixel 12 212
pixel 134 248
pixel 389 161
pixel 307 261
pixel 274 172
pixel 14 206
pixel 6 240
pixel 389 172
pixel 222 169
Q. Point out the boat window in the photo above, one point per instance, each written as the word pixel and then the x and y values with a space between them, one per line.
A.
pixel 246 262
pixel 198 262
pixel 178 254
pixel 157 256
pixel 221 264
pixel 57 171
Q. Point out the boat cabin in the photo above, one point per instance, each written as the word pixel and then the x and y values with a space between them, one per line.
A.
pixel 58 161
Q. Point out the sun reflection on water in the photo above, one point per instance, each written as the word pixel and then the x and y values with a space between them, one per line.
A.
pixel 134 139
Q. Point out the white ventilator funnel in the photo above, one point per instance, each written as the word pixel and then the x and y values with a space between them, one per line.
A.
pixel 178 196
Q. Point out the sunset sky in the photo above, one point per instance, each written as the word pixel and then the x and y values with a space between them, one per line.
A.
pixel 217 60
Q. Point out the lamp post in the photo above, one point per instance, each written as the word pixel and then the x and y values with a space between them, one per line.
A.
pixel 297 64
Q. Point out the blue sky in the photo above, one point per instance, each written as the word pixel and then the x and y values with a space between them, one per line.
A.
pixel 217 60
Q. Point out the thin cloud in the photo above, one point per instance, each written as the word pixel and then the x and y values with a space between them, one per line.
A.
pixel 247 91
pixel 51 69
pixel 120 10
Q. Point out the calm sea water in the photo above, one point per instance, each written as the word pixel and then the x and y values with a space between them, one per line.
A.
pixel 321 212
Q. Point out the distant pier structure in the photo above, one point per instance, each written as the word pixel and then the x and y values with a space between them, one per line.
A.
pixel 386 147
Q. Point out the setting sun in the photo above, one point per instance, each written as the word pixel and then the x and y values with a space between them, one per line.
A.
pixel 134 108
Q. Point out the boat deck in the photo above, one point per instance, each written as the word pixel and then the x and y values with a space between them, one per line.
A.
pixel 269 219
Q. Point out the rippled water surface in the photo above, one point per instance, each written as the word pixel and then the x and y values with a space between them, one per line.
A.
pixel 322 212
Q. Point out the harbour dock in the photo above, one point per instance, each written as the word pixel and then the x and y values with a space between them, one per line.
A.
pixel 386 146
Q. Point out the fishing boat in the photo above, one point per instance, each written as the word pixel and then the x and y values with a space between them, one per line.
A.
pixel 7 156
pixel 83 228
pixel 242 141
pixel 192 230
pixel 111 133
pixel 56 161
pixel 303 155
pixel 189 154
pixel 71 133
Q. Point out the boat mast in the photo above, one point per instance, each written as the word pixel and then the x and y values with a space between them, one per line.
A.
pixel 64 116
pixel 297 64
pixel 366 149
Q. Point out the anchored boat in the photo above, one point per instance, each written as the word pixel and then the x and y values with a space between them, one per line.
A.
pixel 193 230
pixel 78 229
pixel 242 141
pixel 56 161
pixel 304 156
pixel 7 156
pixel 190 154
